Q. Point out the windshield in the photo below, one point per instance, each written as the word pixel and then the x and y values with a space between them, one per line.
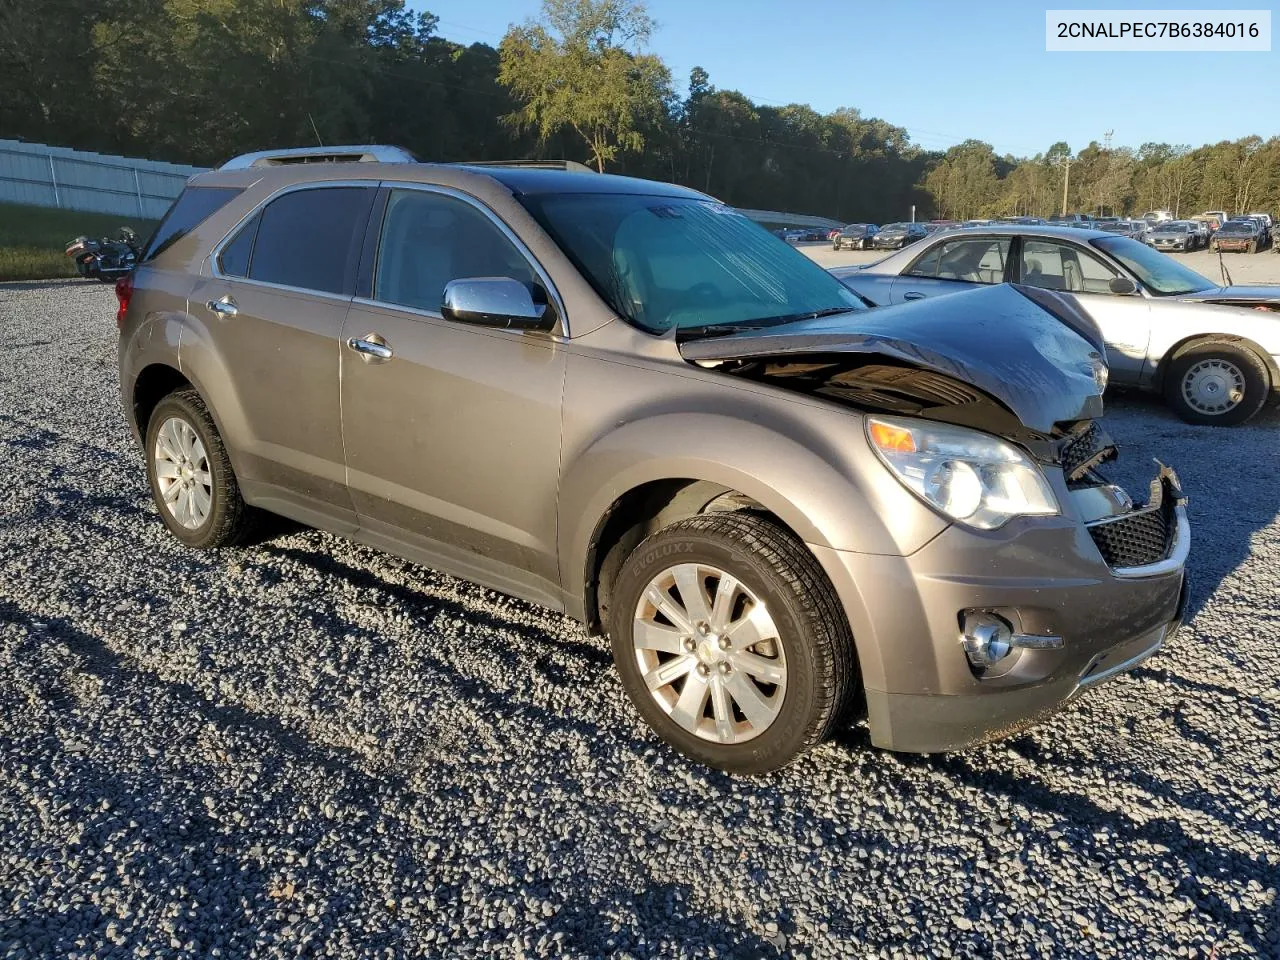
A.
pixel 1237 227
pixel 664 262
pixel 1160 274
pixel 894 226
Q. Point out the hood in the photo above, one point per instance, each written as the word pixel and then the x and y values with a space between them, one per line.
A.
pixel 998 339
pixel 1237 293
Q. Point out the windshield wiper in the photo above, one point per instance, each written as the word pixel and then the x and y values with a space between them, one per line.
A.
pixel 717 329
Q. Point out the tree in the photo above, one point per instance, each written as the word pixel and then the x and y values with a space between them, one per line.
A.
pixel 579 67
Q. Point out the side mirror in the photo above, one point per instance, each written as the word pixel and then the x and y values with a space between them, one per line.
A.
pixel 495 302
pixel 1122 286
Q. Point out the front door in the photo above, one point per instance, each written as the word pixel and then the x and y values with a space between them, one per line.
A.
pixel 452 433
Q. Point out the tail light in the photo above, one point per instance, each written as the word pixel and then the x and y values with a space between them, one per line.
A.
pixel 124 290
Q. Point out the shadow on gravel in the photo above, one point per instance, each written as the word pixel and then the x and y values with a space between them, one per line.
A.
pixel 1083 815
pixel 595 923
pixel 364 580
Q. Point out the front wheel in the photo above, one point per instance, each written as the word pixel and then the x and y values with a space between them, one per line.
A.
pixel 1217 383
pixel 731 643
pixel 835 245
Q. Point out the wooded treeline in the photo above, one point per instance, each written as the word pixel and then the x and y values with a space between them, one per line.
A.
pixel 198 81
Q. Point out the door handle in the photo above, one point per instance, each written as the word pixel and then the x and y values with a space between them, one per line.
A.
pixel 371 347
pixel 223 307
pixel 913 295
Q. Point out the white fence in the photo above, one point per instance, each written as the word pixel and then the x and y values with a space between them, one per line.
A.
pixel 44 176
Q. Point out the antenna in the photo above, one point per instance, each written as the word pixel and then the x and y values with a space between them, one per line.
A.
pixel 314 130
pixel 1106 140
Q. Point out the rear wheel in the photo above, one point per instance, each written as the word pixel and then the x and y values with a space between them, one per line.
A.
pixel 730 641
pixel 1217 383
pixel 192 482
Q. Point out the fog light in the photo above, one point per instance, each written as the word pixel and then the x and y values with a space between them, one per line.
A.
pixel 987 639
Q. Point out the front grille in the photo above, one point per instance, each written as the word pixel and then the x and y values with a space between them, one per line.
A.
pixel 1137 539
pixel 1083 450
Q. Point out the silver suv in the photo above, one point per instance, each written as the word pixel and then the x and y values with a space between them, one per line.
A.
pixel 628 402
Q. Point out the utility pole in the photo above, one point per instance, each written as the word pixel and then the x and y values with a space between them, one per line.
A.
pixel 1106 140
pixel 1065 164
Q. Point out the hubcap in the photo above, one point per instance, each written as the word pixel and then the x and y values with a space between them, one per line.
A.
pixel 182 473
pixel 1213 386
pixel 710 653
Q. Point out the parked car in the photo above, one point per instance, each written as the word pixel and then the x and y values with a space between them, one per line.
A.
pixel 1212 351
pixel 1215 215
pixel 794 236
pixel 1029 221
pixel 1126 228
pixel 1071 220
pixel 1156 216
pixel 1175 235
pixel 1238 236
pixel 623 400
pixel 895 236
pixel 856 236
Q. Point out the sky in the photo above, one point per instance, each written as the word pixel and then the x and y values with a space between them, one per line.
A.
pixel 946 70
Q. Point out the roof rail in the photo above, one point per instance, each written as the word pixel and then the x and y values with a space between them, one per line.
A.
pixel 367 153
pixel 573 166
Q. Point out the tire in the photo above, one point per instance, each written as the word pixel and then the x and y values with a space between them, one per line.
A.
pixel 227 520
pixel 811 649
pixel 1221 366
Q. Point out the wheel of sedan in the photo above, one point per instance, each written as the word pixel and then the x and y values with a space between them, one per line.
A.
pixel 192 482
pixel 1217 383
pixel 731 642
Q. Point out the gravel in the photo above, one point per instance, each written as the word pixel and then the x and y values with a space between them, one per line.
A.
pixel 311 748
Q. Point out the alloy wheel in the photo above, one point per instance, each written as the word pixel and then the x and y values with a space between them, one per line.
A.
pixel 709 653
pixel 182 473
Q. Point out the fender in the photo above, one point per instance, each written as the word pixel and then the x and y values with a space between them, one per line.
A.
pixel 788 464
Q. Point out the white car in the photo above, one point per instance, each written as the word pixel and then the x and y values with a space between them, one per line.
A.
pixel 1212 351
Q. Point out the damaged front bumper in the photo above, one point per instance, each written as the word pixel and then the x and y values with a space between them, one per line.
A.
pixel 1092 599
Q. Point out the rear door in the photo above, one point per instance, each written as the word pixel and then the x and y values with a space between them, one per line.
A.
pixel 952 265
pixel 1124 319
pixel 452 438
pixel 273 298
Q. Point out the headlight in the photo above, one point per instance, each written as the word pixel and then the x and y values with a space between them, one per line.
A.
pixel 1101 373
pixel 973 477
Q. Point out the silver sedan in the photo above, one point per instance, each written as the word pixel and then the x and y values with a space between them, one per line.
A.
pixel 1213 351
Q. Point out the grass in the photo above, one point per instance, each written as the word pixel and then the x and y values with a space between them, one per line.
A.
pixel 33 239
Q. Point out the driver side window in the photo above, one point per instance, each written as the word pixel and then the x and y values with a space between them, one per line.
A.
pixel 1063 266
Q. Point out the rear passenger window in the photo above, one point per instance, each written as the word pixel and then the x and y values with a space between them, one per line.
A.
pixel 976 260
pixel 193 207
pixel 234 259
pixel 429 239
pixel 311 238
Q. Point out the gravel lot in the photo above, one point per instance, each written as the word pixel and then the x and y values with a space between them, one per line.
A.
pixel 1261 267
pixel 310 748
